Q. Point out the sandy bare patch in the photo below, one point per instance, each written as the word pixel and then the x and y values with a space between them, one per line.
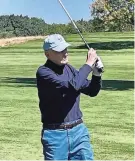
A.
pixel 18 40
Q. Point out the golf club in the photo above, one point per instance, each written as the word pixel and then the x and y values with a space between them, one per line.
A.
pixel 100 69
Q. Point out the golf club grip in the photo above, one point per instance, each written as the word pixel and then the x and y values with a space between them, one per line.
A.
pixel 100 70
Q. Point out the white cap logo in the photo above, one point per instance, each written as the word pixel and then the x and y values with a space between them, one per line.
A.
pixel 59 38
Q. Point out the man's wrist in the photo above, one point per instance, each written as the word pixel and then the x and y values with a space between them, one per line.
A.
pixel 97 74
pixel 89 64
pixel 88 67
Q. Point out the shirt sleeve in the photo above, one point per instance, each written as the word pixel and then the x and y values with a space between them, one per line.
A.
pixel 51 79
pixel 90 87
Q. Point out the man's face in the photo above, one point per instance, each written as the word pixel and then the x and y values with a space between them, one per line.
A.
pixel 59 58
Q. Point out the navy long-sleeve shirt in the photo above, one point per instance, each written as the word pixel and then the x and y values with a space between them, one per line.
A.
pixel 59 89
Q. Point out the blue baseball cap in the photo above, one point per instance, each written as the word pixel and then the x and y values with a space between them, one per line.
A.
pixel 55 42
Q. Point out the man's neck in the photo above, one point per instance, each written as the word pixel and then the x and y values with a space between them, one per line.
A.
pixel 55 67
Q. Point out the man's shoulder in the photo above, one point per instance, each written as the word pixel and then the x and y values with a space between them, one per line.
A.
pixel 42 70
pixel 71 68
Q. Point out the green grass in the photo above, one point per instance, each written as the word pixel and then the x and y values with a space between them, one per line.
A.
pixel 109 116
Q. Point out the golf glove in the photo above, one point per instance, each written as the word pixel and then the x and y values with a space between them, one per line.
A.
pixel 98 65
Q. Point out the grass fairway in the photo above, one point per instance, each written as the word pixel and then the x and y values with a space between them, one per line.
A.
pixel 109 116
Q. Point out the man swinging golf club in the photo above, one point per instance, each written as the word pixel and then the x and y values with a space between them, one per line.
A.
pixel 64 135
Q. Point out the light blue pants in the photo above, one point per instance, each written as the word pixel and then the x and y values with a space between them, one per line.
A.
pixel 71 144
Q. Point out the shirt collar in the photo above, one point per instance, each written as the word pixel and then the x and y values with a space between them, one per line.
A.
pixel 56 68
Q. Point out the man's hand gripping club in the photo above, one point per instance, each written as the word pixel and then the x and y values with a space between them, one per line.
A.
pixel 94 62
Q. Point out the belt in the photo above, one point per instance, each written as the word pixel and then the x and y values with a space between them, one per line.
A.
pixel 62 126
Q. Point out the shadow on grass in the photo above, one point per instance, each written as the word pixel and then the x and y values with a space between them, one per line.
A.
pixel 18 82
pixel 113 45
pixel 117 85
pixel 31 82
pixel 23 47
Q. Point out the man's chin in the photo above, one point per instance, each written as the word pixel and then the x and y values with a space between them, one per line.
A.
pixel 64 62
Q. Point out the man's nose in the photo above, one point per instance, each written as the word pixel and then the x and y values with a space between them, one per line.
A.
pixel 66 54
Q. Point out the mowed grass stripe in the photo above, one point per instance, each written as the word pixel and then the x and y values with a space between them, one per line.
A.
pixel 72 52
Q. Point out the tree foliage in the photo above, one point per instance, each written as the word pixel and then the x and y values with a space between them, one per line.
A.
pixel 11 25
pixel 117 15
pixel 104 19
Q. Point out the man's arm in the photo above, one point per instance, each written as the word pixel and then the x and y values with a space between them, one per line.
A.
pixel 89 87
pixel 92 87
pixel 49 78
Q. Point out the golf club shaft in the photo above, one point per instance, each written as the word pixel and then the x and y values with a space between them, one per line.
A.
pixel 74 25
pixel 100 69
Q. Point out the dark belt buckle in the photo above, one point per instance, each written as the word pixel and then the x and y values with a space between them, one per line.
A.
pixel 65 127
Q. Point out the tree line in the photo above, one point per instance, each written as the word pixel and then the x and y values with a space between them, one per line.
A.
pixel 107 15
pixel 18 25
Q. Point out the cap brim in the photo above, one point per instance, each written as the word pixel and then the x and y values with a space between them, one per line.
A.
pixel 61 47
